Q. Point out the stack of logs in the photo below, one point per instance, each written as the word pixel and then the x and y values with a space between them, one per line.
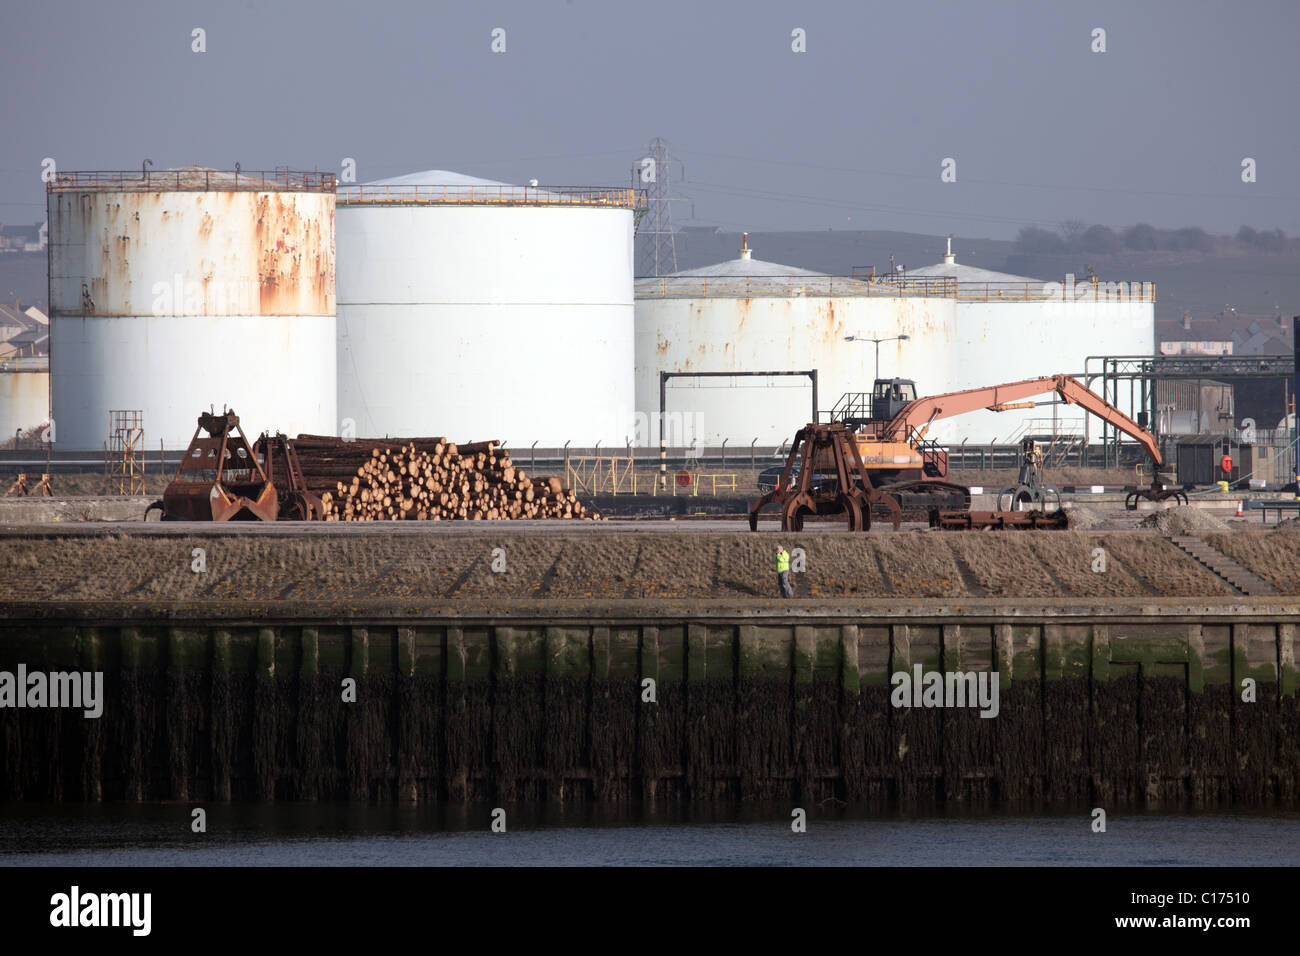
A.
pixel 427 479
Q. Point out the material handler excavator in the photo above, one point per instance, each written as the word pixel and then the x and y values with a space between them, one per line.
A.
pixel 880 437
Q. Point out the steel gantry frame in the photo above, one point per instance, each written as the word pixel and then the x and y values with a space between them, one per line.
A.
pixel 663 402
pixel 1142 371
pixel 665 376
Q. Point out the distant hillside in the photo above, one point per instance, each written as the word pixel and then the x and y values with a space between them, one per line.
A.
pixel 1202 283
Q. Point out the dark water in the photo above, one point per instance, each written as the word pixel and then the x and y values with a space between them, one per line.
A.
pixel 347 835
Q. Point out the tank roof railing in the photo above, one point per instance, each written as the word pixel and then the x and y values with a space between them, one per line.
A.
pixel 409 194
pixel 193 179
pixel 939 287
pixel 746 287
pixel 28 363
pixel 1088 289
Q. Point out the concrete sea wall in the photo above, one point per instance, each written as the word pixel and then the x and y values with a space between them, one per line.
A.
pixel 1117 706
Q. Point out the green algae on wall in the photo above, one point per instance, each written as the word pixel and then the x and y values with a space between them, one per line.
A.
pixel 1132 708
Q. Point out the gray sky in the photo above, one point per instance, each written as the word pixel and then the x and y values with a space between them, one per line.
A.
pixel 849 134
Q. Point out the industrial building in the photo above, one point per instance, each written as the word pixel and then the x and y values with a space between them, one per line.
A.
pixel 174 290
pixel 946 326
pixel 480 309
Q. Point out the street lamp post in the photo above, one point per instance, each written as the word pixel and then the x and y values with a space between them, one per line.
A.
pixel 862 338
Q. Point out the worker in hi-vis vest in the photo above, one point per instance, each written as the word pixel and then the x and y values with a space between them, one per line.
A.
pixel 783 572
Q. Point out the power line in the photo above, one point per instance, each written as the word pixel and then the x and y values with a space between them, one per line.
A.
pixel 989 182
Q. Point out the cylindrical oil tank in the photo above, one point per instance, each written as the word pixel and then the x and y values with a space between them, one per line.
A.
pixel 24 396
pixel 1009 341
pixel 481 310
pixel 1012 327
pixel 752 316
pixel 173 291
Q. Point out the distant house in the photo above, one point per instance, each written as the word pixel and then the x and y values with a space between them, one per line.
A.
pixel 24 238
pixel 1186 347
pixel 23 333
pixel 30 344
pixel 1244 333
pixel 12 321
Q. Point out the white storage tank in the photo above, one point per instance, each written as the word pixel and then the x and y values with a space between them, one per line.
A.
pixel 176 290
pixel 24 397
pixel 477 309
pixel 1013 327
pixel 749 315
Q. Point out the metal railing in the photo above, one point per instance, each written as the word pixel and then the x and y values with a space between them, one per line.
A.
pixel 1056 291
pixel 29 363
pixel 1053 427
pixel 600 475
pixel 943 287
pixel 623 198
pixel 851 407
pixel 192 179
pixel 727 481
pixel 1090 289
pixel 743 287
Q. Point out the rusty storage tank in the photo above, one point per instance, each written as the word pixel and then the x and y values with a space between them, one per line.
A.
pixel 175 290
pixel 749 315
pixel 478 309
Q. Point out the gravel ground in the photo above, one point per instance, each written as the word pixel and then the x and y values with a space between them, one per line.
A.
pixel 1175 521
pixel 625 564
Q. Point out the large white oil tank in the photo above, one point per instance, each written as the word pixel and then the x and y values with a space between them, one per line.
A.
pixel 476 309
pixel 176 290
pixel 748 315
pixel 1013 327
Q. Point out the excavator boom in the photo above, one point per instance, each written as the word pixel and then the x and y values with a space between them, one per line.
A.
pixel 916 416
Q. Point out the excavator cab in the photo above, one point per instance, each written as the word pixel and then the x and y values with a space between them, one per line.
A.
pixel 890 396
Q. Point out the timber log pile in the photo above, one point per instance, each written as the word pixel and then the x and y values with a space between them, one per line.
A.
pixel 427 479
